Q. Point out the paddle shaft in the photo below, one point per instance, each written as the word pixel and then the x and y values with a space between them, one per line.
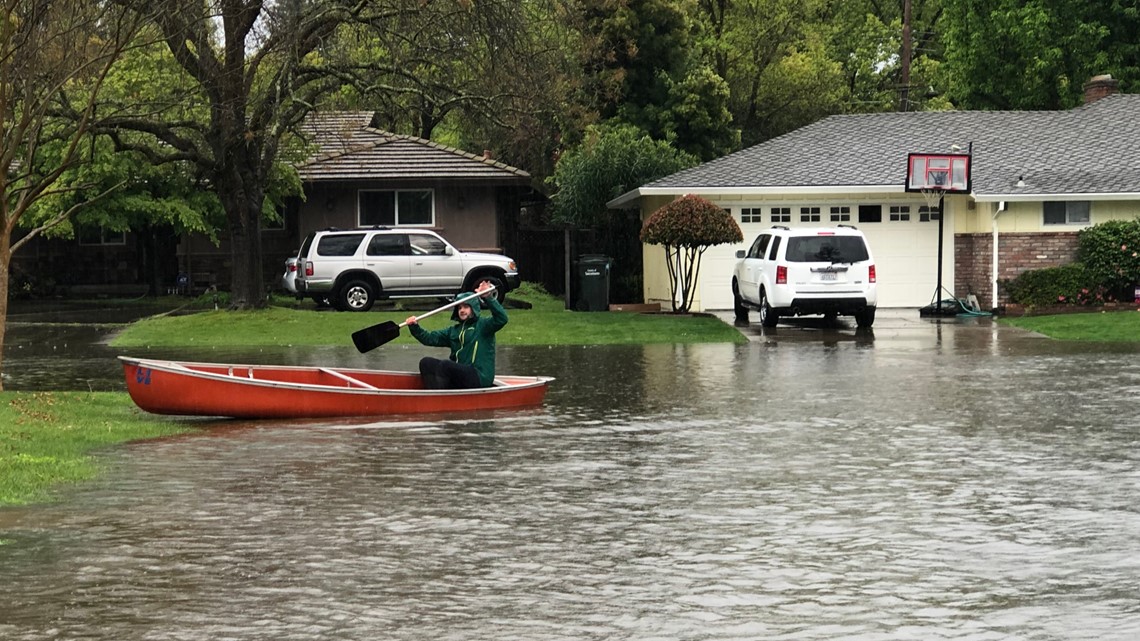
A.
pixel 450 305
pixel 372 337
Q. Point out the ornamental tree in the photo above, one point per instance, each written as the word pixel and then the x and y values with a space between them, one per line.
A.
pixel 687 227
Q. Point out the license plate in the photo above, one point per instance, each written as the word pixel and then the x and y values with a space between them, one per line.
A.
pixel 827 275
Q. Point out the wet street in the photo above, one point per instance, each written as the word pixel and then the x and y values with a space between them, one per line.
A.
pixel 932 480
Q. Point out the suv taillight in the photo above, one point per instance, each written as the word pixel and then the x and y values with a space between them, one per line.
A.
pixel 308 268
pixel 871 273
pixel 782 275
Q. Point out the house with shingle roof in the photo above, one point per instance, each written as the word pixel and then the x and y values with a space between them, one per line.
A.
pixel 360 176
pixel 355 175
pixel 1037 179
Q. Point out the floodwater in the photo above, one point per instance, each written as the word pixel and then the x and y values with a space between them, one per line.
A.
pixel 934 480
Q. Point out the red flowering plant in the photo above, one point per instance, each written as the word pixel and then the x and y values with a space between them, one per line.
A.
pixel 687 227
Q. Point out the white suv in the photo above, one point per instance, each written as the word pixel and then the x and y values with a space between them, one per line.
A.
pixel 813 270
pixel 354 268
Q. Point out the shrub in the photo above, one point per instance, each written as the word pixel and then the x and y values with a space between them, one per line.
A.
pixel 687 227
pixel 1111 252
pixel 1072 284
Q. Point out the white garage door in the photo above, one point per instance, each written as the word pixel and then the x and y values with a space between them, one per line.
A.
pixel 905 263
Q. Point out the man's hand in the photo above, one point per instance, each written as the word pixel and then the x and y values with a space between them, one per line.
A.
pixel 484 289
pixel 411 320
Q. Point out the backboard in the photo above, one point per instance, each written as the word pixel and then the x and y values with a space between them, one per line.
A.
pixel 948 173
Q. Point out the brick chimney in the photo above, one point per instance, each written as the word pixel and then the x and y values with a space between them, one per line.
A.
pixel 1100 86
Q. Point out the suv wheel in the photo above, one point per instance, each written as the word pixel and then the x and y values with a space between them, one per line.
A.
pixel 865 318
pixel 500 287
pixel 357 296
pixel 768 316
pixel 738 307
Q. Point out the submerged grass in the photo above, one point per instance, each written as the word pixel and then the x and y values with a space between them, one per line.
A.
pixel 46 438
pixel 1103 327
pixel 546 322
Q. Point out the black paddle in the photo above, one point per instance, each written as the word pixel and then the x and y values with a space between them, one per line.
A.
pixel 370 338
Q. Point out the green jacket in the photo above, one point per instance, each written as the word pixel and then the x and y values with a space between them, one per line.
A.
pixel 471 342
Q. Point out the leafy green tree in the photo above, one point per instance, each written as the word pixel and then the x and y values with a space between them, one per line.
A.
pixel 611 161
pixel 46 47
pixel 1013 54
pixel 686 228
pixel 645 69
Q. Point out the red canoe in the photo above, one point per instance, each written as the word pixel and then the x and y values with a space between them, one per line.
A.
pixel 276 391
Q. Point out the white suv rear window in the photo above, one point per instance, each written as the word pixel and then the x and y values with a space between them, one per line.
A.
pixel 832 249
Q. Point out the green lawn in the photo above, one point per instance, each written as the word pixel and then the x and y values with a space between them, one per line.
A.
pixel 46 438
pixel 1104 327
pixel 546 323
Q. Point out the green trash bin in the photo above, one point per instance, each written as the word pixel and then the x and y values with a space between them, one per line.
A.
pixel 594 283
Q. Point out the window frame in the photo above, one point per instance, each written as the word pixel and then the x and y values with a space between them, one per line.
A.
pixel 1068 212
pixel 395 204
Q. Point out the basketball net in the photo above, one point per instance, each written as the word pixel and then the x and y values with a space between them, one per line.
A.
pixel 933 198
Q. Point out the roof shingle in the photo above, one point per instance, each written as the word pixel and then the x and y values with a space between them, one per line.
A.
pixel 1093 149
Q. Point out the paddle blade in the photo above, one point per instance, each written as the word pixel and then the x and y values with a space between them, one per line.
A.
pixel 372 337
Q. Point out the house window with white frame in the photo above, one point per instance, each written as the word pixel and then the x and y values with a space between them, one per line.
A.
pixel 1067 212
pixel 840 214
pixel 809 214
pixel 899 213
pixel 750 215
pixel 927 214
pixel 781 214
pixel 395 208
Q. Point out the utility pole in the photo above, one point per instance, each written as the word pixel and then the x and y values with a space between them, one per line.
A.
pixel 904 74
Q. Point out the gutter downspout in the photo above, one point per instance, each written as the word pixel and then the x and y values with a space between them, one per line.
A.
pixel 994 258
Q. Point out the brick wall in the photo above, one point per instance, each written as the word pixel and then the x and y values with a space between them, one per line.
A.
pixel 1018 252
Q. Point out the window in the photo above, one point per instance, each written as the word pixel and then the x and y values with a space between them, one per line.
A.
pixel 927 214
pixel 750 215
pixel 781 214
pixel 813 249
pixel 388 244
pixel 1068 212
pixel 870 213
pixel 101 236
pixel 840 214
pixel 759 246
pixel 809 214
pixel 339 244
pixel 426 245
pixel 775 248
pixel 900 213
pixel 393 208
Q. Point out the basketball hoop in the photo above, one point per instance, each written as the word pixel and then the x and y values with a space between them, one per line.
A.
pixel 934 176
pixel 933 197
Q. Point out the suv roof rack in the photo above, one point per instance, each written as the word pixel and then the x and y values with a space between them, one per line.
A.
pixel 380 227
pixel 779 227
pixel 848 226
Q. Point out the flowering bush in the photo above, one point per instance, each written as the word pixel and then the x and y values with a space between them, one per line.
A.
pixel 1111 251
pixel 687 227
pixel 1065 285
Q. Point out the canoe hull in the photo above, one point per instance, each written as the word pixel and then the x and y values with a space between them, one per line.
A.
pixel 270 391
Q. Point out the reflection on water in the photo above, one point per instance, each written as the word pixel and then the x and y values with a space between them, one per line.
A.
pixel 973 485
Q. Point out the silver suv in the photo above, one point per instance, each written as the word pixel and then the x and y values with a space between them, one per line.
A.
pixel 813 270
pixel 354 268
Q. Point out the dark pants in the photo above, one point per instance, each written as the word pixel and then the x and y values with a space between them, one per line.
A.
pixel 441 374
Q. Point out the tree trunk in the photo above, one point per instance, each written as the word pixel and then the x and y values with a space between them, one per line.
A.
pixel 5 263
pixel 247 283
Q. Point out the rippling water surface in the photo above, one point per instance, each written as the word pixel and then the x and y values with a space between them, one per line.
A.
pixel 919 485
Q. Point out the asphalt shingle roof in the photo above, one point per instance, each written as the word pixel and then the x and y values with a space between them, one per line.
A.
pixel 1093 149
pixel 348 148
